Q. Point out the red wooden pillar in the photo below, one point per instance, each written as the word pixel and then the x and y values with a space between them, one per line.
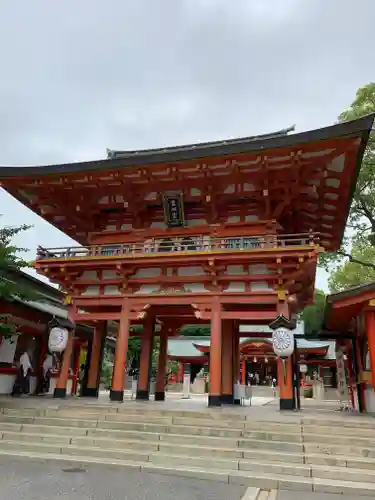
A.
pixel 285 371
pixel 236 360
pixel 93 378
pixel 285 378
pixel 77 354
pixel 370 331
pixel 121 351
pixel 60 389
pixel 361 386
pixel 243 372
pixel 227 363
pixel 162 365
pixel 215 355
pixel 180 372
pixel 145 361
pixel 351 379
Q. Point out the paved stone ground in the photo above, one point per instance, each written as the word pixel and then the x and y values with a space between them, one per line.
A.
pixel 23 479
pixel 302 495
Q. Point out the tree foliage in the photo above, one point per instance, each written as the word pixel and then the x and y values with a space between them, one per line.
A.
pixel 313 315
pixel 351 273
pixel 362 212
pixel 361 220
pixel 11 263
pixel 195 331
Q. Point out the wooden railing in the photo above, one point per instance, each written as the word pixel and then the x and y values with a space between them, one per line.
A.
pixel 180 244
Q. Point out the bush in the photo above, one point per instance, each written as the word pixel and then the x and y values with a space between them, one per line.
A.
pixel 106 375
pixel 308 393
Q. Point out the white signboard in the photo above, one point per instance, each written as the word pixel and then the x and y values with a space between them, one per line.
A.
pixel 8 349
pixel 186 383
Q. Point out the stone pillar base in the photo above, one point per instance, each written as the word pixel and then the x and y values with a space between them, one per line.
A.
pixel 59 392
pixel 227 399
pixel 214 400
pixel 142 395
pixel 159 396
pixel 286 404
pixel 90 392
pixel 117 396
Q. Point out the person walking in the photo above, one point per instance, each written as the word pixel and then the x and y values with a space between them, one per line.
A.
pixel 47 368
pixel 26 370
pixel 22 383
pixel 274 386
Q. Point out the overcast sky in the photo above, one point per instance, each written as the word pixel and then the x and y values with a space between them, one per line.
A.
pixel 78 76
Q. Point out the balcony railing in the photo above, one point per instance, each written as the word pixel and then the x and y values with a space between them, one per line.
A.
pixel 180 244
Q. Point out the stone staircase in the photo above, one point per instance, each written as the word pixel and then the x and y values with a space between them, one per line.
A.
pixel 301 453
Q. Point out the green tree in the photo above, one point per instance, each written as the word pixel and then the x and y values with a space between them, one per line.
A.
pixel 10 264
pixel 195 331
pixel 313 315
pixel 354 272
pixel 361 220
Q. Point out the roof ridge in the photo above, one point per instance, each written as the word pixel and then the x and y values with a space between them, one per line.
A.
pixel 117 153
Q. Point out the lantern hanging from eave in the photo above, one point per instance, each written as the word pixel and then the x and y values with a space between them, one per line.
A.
pixel 58 339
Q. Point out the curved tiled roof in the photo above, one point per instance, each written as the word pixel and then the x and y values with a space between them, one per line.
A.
pixel 113 153
pixel 188 347
pixel 146 157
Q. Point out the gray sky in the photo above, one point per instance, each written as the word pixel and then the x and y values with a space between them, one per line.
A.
pixel 79 76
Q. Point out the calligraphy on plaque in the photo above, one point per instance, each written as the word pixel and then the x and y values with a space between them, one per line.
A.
pixel 174 209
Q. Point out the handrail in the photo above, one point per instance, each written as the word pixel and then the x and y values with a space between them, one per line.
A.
pixel 180 244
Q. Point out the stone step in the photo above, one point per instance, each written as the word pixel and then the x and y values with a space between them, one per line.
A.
pixel 343 474
pixel 306 437
pixel 273 436
pixel 128 417
pixel 339 439
pixel 247 478
pixel 155 443
pixel 241 465
pixel 242 445
pixel 135 426
pixel 289 431
pixel 346 422
pixel 198 430
pixel 320 445
pixel 336 450
pixel 344 431
pixel 140 410
pixel 176 444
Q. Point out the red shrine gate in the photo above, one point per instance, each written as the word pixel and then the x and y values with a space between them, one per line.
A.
pixel 221 232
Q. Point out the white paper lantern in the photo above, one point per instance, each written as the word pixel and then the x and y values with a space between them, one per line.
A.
pixel 283 342
pixel 58 339
pixel 303 368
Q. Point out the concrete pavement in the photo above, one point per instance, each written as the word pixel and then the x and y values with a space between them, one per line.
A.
pixel 24 479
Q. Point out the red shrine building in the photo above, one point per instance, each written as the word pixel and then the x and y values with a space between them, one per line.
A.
pixel 257 355
pixel 350 319
pixel 225 232
pixel 32 320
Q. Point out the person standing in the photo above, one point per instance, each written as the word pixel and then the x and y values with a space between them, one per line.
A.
pixel 47 368
pixel 26 369
pixel 274 382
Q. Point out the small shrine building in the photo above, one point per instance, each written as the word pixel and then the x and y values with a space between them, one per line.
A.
pixel 350 319
pixel 32 320
pixel 225 232
pixel 257 355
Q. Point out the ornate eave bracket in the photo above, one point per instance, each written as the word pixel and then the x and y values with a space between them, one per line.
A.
pixel 282 322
